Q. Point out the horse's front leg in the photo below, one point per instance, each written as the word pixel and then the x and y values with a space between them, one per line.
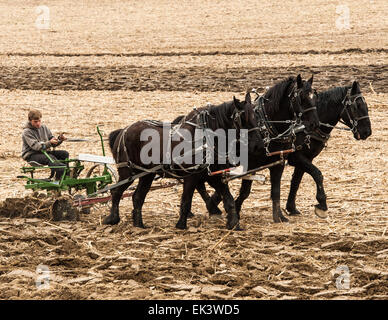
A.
pixel 229 205
pixel 276 176
pixel 245 191
pixel 138 198
pixel 189 185
pixel 211 205
pixel 114 217
pixel 295 182
pixel 306 165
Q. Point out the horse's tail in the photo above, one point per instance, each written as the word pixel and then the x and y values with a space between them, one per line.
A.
pixel 112 137
pixel 177 120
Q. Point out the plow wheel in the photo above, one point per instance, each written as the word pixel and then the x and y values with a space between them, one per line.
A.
pixel 97 170
pixel 62 209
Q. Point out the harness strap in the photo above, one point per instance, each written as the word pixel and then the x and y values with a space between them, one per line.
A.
pixel 263 118
pixel 309 109
pixel 319 135
pixel 122 143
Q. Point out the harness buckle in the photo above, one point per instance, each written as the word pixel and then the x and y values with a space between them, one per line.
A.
pixel 307 141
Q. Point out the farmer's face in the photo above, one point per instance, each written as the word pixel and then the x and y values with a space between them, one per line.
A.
pixel 36 123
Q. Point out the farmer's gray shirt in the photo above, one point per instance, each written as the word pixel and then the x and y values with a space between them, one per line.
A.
pixel 35 139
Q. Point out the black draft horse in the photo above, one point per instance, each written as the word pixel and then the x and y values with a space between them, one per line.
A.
pixel 340 103
pixel 126 145
pixel 286 100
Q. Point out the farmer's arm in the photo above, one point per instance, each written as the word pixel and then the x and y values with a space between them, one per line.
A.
pixel 34 143
pixel 55 142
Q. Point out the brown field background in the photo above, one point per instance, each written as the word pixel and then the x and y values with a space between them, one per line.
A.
pixel 114 62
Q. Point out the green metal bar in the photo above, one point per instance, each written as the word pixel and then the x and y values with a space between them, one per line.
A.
pixel 105 172
pixel 102 141
pixel 47 155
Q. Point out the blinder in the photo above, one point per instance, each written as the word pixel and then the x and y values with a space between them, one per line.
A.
pixel 295 95
pixel 236 117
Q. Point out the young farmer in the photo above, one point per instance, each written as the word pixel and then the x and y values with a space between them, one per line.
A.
pixel 37 137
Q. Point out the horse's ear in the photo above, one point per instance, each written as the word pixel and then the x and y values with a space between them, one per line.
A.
pixel 310 81
pixel 248 98
pixel 299 81
pixel 355 87
pixel 237 103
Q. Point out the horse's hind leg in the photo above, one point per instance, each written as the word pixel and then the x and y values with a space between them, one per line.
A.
pixel 114 217
pixel 138 198
pixel 295 182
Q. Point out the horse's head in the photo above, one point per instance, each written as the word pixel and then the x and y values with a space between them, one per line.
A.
pixel 244 117
pixel 304 102
pixel 355 113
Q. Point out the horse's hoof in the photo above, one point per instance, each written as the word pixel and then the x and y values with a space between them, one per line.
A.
pixel 215 211
pixel 293 212
pixel 283 219
pixel 238 228
pixel 139 225
pixel 233 225
pixel 320 213
pixel 280 219
pixel 190 215
pixel 181 226
pixel 111 220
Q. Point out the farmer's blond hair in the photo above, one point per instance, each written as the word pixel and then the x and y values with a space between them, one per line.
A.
pixel 34 115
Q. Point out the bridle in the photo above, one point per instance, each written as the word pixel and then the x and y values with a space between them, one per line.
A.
pixel 266 127
pixel 236 118
pixel 350 106
pixel 295 95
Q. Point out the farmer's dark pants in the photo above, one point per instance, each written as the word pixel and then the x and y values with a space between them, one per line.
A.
pixel 55 155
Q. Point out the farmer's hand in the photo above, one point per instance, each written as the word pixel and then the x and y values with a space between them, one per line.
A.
pixel 62 137
pixel 54 141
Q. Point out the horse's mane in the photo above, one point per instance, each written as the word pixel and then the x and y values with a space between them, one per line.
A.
pixel 177 120
pixel 331 96
pixel 219 116
pixel 275 95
